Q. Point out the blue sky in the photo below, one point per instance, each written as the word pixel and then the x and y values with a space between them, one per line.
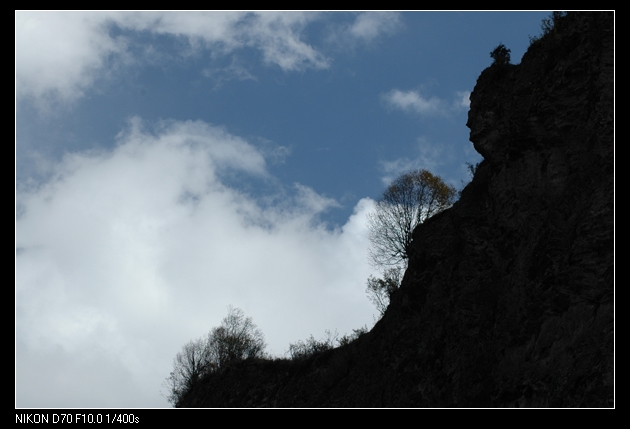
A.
pixel 171 164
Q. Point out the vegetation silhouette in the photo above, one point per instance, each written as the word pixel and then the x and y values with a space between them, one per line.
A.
pixel 409 201
pixel 500 55
pixel 236 339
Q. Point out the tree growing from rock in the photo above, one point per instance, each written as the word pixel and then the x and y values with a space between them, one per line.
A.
pixel 410 200
pixel 189 365
pixel 500 55
pixel 236 339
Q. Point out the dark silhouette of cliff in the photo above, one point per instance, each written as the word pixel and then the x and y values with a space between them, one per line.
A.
pixel 508 300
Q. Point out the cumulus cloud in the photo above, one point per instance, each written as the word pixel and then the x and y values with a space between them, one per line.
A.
pixel 61 54
pixel 124 255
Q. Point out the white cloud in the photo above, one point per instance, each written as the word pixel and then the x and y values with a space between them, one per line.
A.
pixel 364 29
pixel 276 34
pixel 415 102
pixel 369 25
pixel 61 54
pixel 462 100
pixel 125 255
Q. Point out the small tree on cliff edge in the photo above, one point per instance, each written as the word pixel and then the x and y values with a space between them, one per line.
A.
pixel 500 55
pixel 410 200
pixel 236 339
pixel 188 367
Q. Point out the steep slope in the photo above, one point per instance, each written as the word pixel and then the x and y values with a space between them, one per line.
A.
pixel 509 295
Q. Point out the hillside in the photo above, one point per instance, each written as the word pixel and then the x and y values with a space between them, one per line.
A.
pixel 508 300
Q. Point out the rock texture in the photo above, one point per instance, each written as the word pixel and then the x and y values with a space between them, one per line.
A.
pixel 508 300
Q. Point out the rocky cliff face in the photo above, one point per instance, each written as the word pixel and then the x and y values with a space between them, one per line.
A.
pixel 508 300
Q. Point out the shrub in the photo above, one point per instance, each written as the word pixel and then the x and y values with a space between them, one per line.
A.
pixel 500 55
pixel 356 333
pixel 379 291
pixel 549 25
pixel 305 349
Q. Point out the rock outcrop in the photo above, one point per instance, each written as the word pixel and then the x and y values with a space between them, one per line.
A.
pixel 508 300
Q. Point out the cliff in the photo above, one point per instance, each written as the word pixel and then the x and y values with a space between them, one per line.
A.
pixel 508 300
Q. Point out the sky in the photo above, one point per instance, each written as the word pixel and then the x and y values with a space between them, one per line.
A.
pixel 170 164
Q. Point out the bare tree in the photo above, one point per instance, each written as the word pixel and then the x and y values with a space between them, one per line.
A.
pixel 236 339
pixel 189 365
pixel 410 200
